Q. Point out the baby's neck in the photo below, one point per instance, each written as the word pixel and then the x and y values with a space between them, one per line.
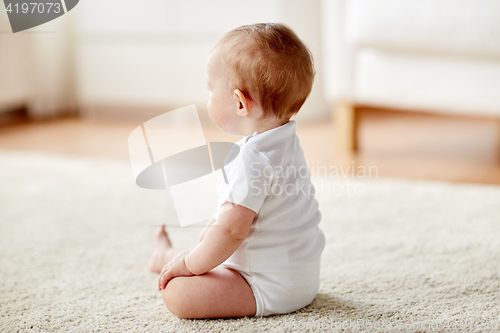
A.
pixel 265 125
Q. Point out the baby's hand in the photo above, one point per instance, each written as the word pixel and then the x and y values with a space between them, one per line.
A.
pixel 175 267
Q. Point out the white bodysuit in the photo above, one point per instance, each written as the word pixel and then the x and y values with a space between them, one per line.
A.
pixel 280 257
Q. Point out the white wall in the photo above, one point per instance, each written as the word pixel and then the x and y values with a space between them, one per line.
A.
pixel 153 52
pixel 304 17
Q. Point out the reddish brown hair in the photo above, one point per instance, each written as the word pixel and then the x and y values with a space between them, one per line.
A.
pixel 270 64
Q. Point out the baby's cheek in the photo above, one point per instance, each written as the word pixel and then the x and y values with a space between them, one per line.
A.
pixel 212 113
pixel 209 107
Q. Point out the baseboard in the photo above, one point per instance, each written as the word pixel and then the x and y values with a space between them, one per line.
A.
pixel 13 115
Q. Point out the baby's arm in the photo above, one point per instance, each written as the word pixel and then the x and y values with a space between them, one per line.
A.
pixel 218 243
pixel 221 240
pixel 210 222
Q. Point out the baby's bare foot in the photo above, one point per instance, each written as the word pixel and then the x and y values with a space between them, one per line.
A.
pixel 162 250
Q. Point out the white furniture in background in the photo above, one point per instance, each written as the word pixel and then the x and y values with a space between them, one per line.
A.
pixel 136 55
pixel 36 68
pixel 429 55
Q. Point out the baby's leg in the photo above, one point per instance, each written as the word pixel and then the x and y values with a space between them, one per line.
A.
pixel 220 293
pixel 162 250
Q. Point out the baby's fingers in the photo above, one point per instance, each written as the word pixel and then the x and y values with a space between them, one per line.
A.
pixel 164 277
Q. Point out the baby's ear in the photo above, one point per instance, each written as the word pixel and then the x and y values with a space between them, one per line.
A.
pixel 244 103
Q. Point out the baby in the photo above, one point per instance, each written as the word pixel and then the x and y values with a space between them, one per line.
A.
pixel 260 254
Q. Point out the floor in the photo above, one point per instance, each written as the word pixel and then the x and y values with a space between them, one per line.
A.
pixel 74 247
pixel 393 144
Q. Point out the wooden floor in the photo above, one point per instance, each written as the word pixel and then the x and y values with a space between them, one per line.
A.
pixel 416 146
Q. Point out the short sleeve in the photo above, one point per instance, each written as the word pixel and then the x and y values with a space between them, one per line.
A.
pixel 247 179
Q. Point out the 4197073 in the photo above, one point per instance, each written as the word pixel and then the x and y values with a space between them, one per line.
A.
pixel 34 7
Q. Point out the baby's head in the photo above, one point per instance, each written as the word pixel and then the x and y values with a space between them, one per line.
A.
pixel 259 76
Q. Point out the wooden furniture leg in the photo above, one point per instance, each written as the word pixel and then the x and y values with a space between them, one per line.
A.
pixel 346 126
pixel 498 135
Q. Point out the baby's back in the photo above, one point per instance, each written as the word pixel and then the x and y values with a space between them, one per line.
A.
pixel 285 233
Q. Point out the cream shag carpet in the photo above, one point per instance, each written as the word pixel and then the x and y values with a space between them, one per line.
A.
pixel 76 235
